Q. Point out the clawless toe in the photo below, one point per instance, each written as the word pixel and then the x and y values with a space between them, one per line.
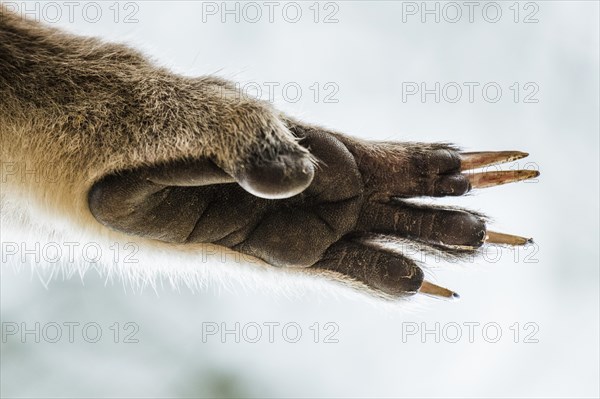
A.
pixel 285 176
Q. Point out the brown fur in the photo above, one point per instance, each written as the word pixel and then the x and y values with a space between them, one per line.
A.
pixel 80 109
pixel 83 110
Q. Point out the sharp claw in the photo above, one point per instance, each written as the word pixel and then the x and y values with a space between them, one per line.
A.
pixel 492 237
pixel 435 290
pixel 491 179
pixel 474 160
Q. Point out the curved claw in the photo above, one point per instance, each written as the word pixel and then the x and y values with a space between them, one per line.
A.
pixel 491 179
pixel 492 237
pixel 435 290
pixel 474 160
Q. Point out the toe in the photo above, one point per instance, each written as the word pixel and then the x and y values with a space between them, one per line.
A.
pixel 283 177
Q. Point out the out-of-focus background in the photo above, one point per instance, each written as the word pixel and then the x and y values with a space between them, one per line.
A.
pixel 484 75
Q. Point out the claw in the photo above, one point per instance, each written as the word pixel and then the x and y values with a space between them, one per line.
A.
pixel 491 179
pixel 435 290
pixel 474 160
pixel 492 237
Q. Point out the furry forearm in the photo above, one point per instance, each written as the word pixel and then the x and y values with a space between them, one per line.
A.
pixel 79 108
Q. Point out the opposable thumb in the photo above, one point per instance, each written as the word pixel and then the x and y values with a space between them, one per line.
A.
pixel 284 176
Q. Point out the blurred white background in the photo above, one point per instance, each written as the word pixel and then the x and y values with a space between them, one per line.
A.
pixel 370 54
